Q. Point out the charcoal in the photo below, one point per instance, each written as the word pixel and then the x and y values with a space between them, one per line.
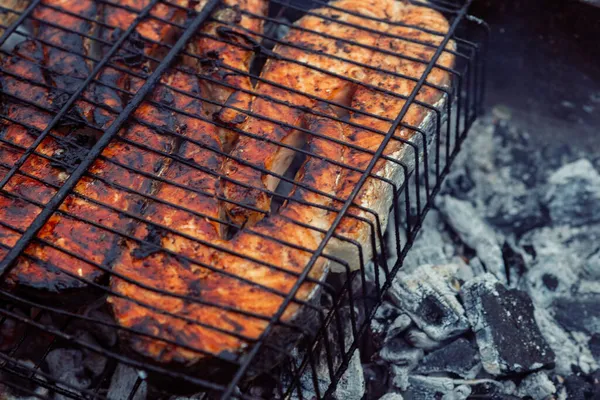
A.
pixel 573 194
pixel 122 383
pixel 428 247
pixel 399 352
pixel 474 232
pixel 399 325
pixel 460 392
pixel 426 387
pixel 476 266
pixel 578 314
pixel 459 357
pixel 66 365
pixel 515 214
pixel 23 387
pixel 517 153
pixel 537 386
pixel 592 266
pixel 459 183
pixel 392 396
pixel 11 331
pixel 399 376
pixel 105 334
pixel 578 388
pixel 508 337
pixel 569 353
pixel 384 316
pixel 404 359
pixel 555 260
pixel 557 155
pixel 72 381
pixel 350 386
pixel 502 396
pixel 514 262
pixel 428 295
pixel 376 379
pixel 418 338
pixel 196 396
pixel 465 271
pixel 594 345
pixel 93 362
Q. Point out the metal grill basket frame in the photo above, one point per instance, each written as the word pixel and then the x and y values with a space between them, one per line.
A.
pixel 423 175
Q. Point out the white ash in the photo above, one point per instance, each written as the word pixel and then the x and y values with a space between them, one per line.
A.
pixel 428 295
pixel 474 232
pixel 398 326
pixel 392 396
pixel 123 382
pixel 537 386
pixel 570 353
pixel 529 216
pixel 573 195
pixel 419 339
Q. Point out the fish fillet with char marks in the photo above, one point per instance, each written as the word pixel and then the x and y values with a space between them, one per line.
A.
pixel 222 52
pixel 247 188
pixel 50 269
pixel 213 297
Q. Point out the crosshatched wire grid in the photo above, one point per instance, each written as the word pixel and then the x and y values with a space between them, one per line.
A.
pixel 63 125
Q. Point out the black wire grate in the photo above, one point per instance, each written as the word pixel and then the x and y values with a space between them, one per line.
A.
pixel 106 106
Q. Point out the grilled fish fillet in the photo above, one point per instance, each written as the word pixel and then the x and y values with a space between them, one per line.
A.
pixel 246 187
pixel 207 298
pixel 99 197
pixel 223 52
pixel 149 32
pixel 63 55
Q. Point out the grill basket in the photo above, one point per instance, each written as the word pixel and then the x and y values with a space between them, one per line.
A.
pixel 33 326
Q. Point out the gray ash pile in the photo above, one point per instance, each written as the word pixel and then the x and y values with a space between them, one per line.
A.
pixel 500 295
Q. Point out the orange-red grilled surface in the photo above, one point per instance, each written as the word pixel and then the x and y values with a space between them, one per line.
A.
pixel 153 206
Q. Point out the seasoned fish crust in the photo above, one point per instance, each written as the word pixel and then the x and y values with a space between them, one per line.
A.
pixel 307 45
pixel 223 52
pixel 208 298
pixel 90 221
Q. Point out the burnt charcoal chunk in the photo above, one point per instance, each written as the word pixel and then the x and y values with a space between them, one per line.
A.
pixel 550 281
pixel 594 345
pixel 573 194
pixel 428 296
pixel 581 314
pixel 458 184
pixel 431 310
pixel 578 388
pixel 518 214
pixel 517 151
pixel 459 357
pixel 399 352
pixel 508 337
pixel 426 387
